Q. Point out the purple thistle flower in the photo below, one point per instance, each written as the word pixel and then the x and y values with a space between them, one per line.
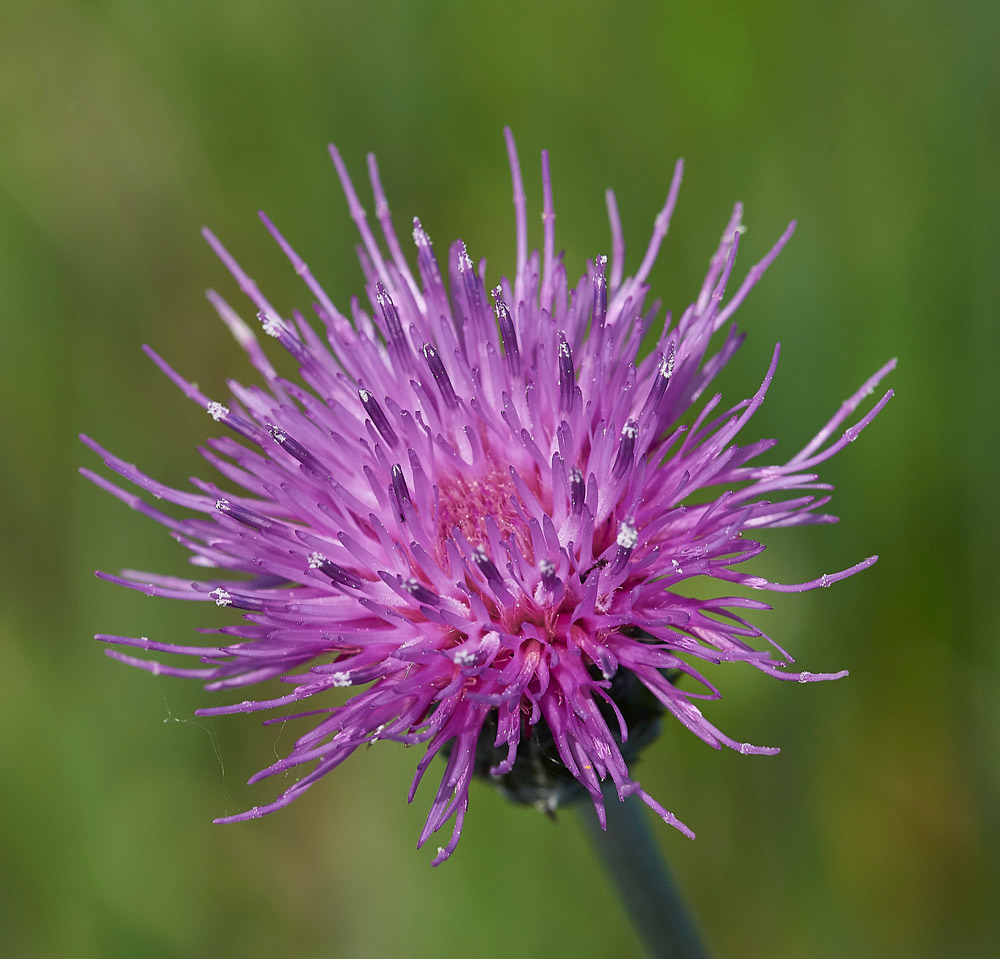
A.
pixel 478 512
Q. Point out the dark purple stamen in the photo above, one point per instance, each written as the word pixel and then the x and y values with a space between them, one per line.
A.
pixel 223 597
pixel 600 308
pixel 440 375
pixel 285 335
pixel 507 333
pixel 567 375
pixel 338 574
pixel 474 291
pixel 488 568
pixel 399 490
pixel 577 491
pixel 243 515
pixel 663 373
pixel 425 254
pixel 548 570
pixel 420 592
pixel 379 420
pixel 245 428
pixel 294 448
pixel 623 459
pixel 394 327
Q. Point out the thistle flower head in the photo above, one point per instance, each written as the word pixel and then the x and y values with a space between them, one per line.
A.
pixel 477 513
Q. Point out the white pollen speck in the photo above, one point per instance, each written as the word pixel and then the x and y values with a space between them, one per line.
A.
pixel 497 292
pixel 602 261
pixel 630 430
pixel 628 535
pixel 411 585
pixel 804 677
pixel 365 395
pixel 341 679
pixel 440 850
pixel 546 567
pixel 217 411
pixel 221 597
pixel 279 436
pixel 270 324
pixel 420 236
pixel 479 556
pixel 464 657
pixel 380 299
pixel 464 260
pixel 316 560
pixel 221 504
pixel 745 748
pixel 563 348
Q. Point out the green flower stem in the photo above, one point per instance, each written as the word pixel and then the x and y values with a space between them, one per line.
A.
pixel 632 859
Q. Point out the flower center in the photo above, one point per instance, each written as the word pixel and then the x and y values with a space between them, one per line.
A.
pixel 466 501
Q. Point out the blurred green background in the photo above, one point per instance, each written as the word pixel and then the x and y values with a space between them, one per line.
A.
pixel 124 126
